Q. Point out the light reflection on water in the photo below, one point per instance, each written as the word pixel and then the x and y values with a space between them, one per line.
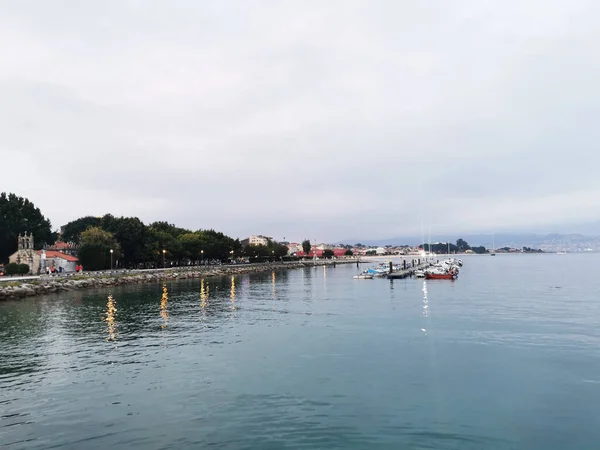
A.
pixel 331 364
pixel 232 293
pixel 111 326
pixel 164 304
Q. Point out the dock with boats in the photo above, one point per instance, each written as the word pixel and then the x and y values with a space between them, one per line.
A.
pixel 448 269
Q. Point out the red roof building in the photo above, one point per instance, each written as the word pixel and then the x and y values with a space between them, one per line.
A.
pixel 311 254
pixel 51 254
pixel 63 247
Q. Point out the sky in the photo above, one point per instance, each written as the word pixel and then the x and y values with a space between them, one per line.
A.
pixel 305 119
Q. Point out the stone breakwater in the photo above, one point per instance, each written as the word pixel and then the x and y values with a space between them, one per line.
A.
pixel 42 286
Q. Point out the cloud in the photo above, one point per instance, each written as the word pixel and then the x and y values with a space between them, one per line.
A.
pixel 335 120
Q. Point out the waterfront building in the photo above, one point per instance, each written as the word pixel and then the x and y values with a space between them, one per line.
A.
pixel 257 240
pixel 38 260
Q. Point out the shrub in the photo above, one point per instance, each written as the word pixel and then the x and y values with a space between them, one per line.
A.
pixel 12 269
pixel 23 269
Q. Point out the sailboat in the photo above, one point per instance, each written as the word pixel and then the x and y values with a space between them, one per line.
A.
pixel 493 253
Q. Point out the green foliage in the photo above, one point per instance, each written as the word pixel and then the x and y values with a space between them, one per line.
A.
pixel 306 247
pixel 371 252
pixel 71 232
pixel 349 253
pixel 139 243
pixel 532 250
pixel 441 248
pixel 132 236
pixel 262 252
pixel 11 269
pixel 256 251
pixel 328 253
pixel 19 215
pixel 94 251
pixel 278 250
pixel 23 269
pixel 479 250
pixel 462 245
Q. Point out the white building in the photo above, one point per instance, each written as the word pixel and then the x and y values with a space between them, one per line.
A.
pixel 257 240
pixel 38 260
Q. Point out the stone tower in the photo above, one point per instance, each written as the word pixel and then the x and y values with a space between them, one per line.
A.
pixel 29 241
pixel 25 242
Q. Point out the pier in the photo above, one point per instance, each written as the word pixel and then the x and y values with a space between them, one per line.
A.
pixel 405 273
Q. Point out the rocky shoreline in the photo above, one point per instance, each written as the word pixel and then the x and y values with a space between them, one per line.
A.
pixel 42 286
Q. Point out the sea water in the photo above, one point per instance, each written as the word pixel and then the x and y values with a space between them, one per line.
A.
pixel 505 357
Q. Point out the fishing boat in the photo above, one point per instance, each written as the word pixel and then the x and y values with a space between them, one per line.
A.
pixel 363 277
pixel 452 275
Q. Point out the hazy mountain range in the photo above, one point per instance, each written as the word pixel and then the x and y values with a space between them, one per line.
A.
pixel 549 242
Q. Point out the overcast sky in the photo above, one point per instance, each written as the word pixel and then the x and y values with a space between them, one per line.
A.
pixel 305 119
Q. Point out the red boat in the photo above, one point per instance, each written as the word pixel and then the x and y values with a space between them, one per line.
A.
pixel 441 276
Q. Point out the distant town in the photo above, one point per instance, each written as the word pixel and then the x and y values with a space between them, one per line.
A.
pixel 28 244
pixel 308 249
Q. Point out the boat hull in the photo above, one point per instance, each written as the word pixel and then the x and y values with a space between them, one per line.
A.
pixel 440 276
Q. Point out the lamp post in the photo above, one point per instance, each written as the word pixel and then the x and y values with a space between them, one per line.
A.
pixel 231 252
pixel 273 255
pixel 202 253
pixel 111 259
pixel 164 253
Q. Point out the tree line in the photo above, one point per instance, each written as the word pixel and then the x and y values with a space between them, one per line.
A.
pixel 461 246
pixel 19 215
pixel 135 244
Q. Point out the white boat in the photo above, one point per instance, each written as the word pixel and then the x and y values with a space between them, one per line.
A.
pixel 363 277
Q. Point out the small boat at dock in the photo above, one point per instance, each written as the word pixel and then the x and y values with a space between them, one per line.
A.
pixel 452 275
pixel 363 277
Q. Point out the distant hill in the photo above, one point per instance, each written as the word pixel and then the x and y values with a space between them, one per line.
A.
pixel 551 242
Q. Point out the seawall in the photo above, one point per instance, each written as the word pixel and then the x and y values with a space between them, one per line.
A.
pixel 51 285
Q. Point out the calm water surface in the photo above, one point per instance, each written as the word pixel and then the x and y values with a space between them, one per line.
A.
pixel 506 357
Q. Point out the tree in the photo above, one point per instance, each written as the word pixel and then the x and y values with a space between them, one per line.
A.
pixel 94 251
pixel 327 253
pixel 440 248
pixel 11 269
pixel 131 234
pixel 71 232
pixel 306 246
pixel 23 269
pixel 462 245
pixel 277 249
pixel 349 253
pixel 281 250
pixel 192 245
pixel 19 215
pixel 256 251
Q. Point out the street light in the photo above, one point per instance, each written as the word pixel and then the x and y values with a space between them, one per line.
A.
pixel 273 253
pixel 111 259
pixel 164 264
pixel 202 253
